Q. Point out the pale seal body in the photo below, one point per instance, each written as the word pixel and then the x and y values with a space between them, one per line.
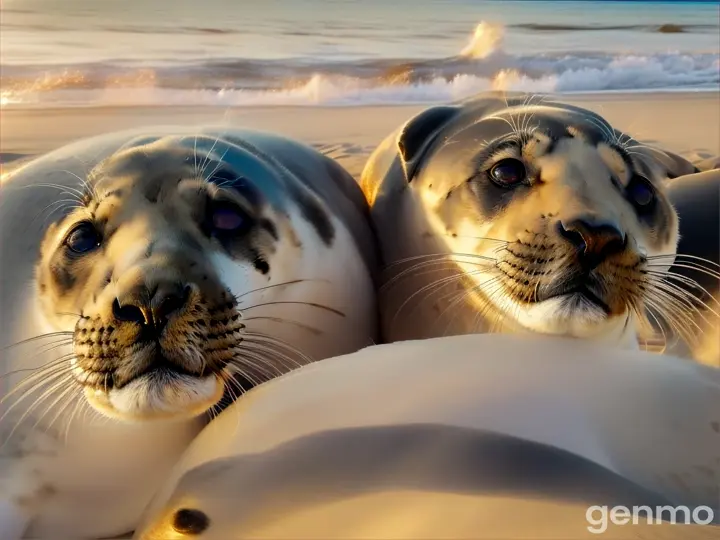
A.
pixel 153 273
pixel 515 438
pixel 696 197
pixel 507 215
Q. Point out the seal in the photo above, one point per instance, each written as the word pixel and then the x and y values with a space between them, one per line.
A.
pixel 512 440
pixel 503 215
pixel 696 197
pixel 152 274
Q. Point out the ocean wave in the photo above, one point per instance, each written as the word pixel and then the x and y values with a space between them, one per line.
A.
pixel 481 65
pixel 667 28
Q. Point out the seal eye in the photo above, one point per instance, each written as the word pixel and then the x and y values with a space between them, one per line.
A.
pixel 508 173
pixel 83 238
pixel 641 193
pixel 228 218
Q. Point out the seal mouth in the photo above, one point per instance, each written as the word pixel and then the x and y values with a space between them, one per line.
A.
pixel 582 290
pixel 584 294
pixel 155 365
pixel 154 387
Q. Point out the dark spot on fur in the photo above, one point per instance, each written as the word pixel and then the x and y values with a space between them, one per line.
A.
pixel 261 265
pixel 315 214
pixel 64 279
pixel 190 521
pixel 551 146
pixel 715 426
pixel 269 226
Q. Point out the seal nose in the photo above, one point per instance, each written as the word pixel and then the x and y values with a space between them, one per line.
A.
pixel 151 309
pixel 594 240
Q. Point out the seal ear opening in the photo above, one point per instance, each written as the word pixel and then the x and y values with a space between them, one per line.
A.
pixel 418 133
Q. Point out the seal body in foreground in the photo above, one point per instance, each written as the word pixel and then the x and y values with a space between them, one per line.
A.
pixel 146 276
pixel 516 439
pixel 502 215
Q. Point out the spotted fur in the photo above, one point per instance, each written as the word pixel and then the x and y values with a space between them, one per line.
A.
pixel 152 210
pixel 468 254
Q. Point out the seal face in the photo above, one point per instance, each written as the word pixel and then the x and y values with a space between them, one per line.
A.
pixel 151 267
pixel 543 216
pixel 152 276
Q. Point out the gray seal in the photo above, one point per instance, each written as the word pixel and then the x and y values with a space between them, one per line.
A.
pixel 511 437
pixel 504 214
pixel 149 277
pixel 696 197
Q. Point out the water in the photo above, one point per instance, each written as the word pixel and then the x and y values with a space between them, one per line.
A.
pixel 346 52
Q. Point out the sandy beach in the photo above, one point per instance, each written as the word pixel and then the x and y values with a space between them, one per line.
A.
pixel 684 122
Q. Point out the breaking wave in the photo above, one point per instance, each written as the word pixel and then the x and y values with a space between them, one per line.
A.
pixel 481 65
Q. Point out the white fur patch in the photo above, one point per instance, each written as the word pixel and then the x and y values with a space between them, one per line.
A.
pixel 145 396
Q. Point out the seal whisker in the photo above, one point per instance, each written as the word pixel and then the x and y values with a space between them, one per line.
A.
pixel 255 337
pixel 249 358
pixel 208 156
pixel 446 255
pixel 67 190
pixel 459 297
pixel 275 362
pixel 70 392
pixel 238 366
pixel 311 329
pixel 663 279
pixel 666 299
pixel 68 335
pixel 48 393
pixel 484 238
pixel 685 256
pixel 667 276
pixel 79 404
pixel 292 282
pixel 311 304
pixel 676 326
pixel 49 367
pixel 272 340
pixel 57 383
pixel 413 270
pixel 649 310
pixel 687 299
pixel 85 185
pixel 206 178
pixel 689 266
pixel 440 282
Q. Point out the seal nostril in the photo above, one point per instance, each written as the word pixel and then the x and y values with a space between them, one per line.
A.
pixel 594 240
pixel 170 303
pixel 572 235
pixel 127 313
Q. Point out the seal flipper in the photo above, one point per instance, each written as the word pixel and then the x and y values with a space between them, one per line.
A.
pixel 418 134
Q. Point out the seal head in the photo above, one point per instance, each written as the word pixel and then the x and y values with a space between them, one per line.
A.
pixel 544 217
pixel 149 268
